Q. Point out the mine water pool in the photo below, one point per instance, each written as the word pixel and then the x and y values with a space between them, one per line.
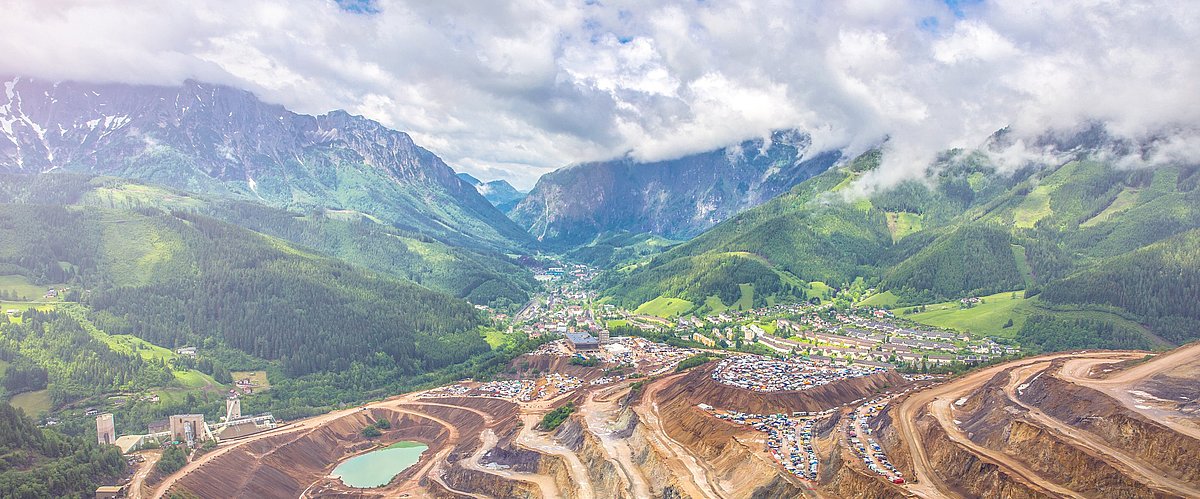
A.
pixel 377 468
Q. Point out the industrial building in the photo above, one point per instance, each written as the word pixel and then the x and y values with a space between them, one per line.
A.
pixel 233 407
pixel 582 342
pixel 189 428
pixel 110 491
pixel 106 432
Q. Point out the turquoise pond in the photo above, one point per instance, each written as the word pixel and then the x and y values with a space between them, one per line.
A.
pixel 377 468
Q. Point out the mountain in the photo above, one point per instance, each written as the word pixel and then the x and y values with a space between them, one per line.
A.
pixel 1082 241
pixel 475 274
pixel 500 193
pixel 221 141
pixel 677 199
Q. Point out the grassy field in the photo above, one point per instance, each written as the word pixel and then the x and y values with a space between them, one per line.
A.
pixel 886 299
pixel 131 344
pixel 746 301
pixel 33 403
pixel 665 307
pixel 903 223
pixel 817 289
pixel 134 195
pixel 1023 264
pixel 617 323
pixel 715 304
pixel 22 287
pixel 987 318
pixel 21 307
pixel 1034 207
pixel 257 378
pixel 494 338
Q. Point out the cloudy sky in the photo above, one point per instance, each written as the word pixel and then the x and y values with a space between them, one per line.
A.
pixel 515 89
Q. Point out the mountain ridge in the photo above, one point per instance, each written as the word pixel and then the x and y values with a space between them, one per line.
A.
pixel 218 140
pixel 676 199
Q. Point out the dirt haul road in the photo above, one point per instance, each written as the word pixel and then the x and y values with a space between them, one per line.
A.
pixel 299 429
pixel 138 484
pixel 1117 458
pixel 928 483
pixel 682 462
pixel 1119 386
pixel 598 411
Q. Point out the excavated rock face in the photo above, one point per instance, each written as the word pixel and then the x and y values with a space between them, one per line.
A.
pixel 283 466
pixel 1012 431
pixel 1094 412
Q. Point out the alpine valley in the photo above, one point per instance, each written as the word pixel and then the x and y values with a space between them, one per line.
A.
pixel 206 295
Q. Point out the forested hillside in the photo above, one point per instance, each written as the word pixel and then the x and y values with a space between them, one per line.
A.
pixel 1158 284
pixel 178 278
pixel 36 463
pixel 477 275
pixel 49 350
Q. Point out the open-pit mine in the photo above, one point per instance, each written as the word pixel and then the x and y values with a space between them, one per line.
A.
pixel 1073 424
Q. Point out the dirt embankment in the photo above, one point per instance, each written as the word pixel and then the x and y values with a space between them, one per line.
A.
pixel 735 456
pixel 557 364
pixel 285 465
pixel 964 471
pixel 699 387
pixel 842 478
pixel 994 421
pixel 605 478
pixel 1095 412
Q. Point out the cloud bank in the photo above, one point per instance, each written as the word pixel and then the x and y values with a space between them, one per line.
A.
pixel 515 89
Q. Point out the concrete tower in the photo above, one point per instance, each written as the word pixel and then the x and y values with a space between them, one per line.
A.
pixel 233 408
pixel 604 336
pixel 106 432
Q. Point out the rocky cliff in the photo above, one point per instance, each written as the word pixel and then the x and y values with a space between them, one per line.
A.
pixel 677 198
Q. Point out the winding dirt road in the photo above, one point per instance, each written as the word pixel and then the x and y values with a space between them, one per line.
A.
pixel 1119 386
pixel 1115 457
pixel 937 400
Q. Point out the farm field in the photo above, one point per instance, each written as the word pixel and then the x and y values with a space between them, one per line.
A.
pixel 21 307
pixel 257 378
pixel 21 289
pixel 987 318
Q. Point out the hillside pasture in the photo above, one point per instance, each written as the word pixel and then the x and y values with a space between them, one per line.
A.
pixel 21 289
pixel 665 307
pixel 987 318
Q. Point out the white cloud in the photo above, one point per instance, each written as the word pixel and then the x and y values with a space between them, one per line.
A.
pixel 514 89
